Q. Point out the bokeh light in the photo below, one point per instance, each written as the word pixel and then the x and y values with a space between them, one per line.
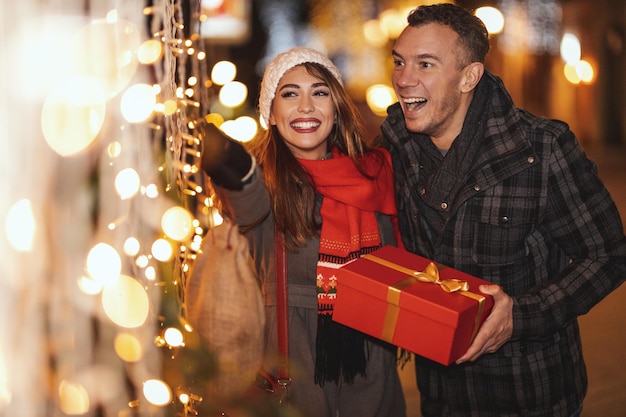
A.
pixel 374 33
pixel 162 250
pixel 379 97
pixel 223 72
pixel 233 94
pixel 150 51
pixel 20 225
pixel 106 50
pixel 173 337
pixel 492 18
pixel 127 183
pixel 73 115
pixel 243 128
pixel 74 399
pixel 104 263
pixel 177 223
pixel 138 103
pixel 126 302
pixel 157 392
pixel 570 48
pixel 128 347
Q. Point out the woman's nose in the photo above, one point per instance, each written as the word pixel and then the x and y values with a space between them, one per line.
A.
pixel 305 105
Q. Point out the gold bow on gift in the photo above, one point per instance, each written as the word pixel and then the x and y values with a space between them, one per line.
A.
pixel 431 274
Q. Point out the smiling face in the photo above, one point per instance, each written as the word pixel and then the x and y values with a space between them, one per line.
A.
pixel 432 88
pixel 304 113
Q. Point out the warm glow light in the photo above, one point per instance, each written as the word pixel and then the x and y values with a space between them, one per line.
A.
pixel 223 72
pixel 73 115
pixel 152 191
pixel 106 50
pixel 150 51
pixel 169 107
pixel 216 216
pixel 215 118
pixel 104 263
pixel 114 149
pixel 157 392
pixel 173 337
pixel 177 223
pixel 243 129
pixel 379 97
pixel 138 103
pixel 131 246
pixel 233 94
pixel 570 48
pixel 393 22
pixel 492 18
pixel 569 70
pixel 73 398
pixel 150 273
pixel 89 285
pixel 127 183
pixel 126 302
pixel 20 226
pixel 584 70
pixel 162 250
pixel 142 261
pixel 128 347
pixel 212 4
pixel 374 34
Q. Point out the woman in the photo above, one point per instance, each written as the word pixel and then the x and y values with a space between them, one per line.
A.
pixel 313 181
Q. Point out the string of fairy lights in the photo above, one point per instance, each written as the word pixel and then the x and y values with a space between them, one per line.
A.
pixel 132 102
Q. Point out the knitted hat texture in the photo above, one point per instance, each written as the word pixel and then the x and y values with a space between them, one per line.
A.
pixel 283 63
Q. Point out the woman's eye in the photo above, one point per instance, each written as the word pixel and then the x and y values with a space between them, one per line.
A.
pixel 288 94
pixel 322 93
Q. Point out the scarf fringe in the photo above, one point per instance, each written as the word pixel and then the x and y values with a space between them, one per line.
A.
pixel 340 352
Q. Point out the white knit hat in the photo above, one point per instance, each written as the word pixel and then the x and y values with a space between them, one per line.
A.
pixel 283 63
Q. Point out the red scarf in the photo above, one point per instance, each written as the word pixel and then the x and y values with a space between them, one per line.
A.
pixel 349 225
pixel 349 230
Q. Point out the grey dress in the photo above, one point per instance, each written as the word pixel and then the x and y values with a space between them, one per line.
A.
pixel 379 392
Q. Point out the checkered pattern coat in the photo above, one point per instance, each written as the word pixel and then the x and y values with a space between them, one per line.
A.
pixel 534 218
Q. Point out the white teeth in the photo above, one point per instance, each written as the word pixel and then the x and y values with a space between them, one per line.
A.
pixel 414 100
pixel 305 125
pixel 413 103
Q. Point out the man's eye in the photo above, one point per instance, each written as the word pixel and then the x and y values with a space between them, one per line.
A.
pixel 397 63
pixel 425 64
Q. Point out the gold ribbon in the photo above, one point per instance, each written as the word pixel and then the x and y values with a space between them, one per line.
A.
pixel 428 275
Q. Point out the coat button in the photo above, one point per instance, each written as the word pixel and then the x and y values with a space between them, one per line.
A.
pixel 531 159
pixel 444 205
pixel 477 187
pixel 422 191
pixel 504 219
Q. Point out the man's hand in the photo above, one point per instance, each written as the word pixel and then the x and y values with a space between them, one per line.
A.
pixel 497 328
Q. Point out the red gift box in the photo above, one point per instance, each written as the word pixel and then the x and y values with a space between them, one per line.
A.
pixel 411 302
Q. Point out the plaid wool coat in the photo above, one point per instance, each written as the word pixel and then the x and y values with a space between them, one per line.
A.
pixel 533 217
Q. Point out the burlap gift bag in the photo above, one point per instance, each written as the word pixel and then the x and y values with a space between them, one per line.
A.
pixel 225 306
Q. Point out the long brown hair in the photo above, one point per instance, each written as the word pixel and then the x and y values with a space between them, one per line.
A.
pixel 291 191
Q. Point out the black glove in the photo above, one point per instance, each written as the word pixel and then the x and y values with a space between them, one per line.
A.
pixel 223 159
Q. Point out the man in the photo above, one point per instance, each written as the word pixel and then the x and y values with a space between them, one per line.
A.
pixel 494 191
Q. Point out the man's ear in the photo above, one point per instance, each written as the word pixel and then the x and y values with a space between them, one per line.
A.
pixel 472 74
